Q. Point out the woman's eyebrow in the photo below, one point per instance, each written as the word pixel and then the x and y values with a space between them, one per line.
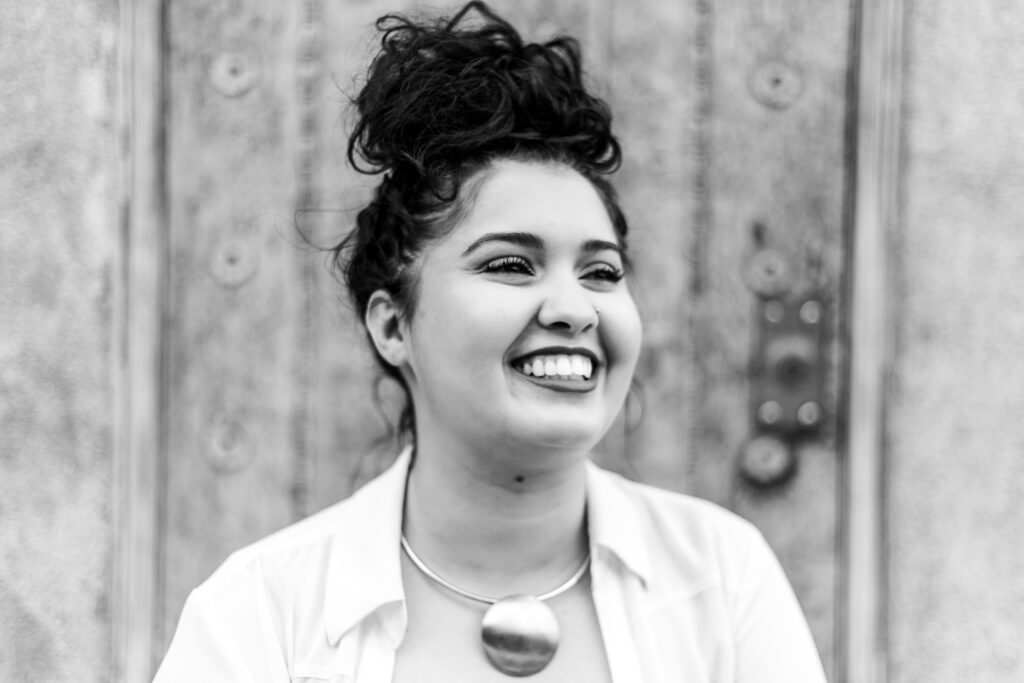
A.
pixel 591 246
pixel 528 239
pixel 525 239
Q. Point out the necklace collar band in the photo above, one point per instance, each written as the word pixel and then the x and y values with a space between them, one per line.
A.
pixel 569 583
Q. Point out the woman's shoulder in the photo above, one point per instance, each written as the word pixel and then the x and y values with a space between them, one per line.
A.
pixel 320 575
pixel 687 539
pixel 299 553
pixel 680 510
pixel 295 551
pixel 257 597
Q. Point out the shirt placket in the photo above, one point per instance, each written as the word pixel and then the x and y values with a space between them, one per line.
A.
pixel 610 593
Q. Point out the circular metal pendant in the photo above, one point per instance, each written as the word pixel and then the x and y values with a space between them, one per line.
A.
pixel 520 635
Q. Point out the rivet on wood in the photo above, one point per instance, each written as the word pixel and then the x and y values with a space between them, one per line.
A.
pixel 228 450
pixel 233 74
pixel 774 311
pixel 809 414
pixel 769 412
pixel 775 84
pixel 767 273
pixel 810 312
pixel 234 262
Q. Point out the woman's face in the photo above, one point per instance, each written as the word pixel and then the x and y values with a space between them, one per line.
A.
pixel 524 329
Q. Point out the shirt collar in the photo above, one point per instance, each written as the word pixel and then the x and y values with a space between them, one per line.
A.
pixel 365 570
pixel 614 523
pixel 365 573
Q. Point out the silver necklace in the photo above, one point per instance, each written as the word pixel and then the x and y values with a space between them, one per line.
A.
pixel 519 632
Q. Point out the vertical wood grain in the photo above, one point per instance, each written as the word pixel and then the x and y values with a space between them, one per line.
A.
pixel 645 73
pixel 307 193
pixel 138 328
pixel 875 214
pixel 774 179
pixel 235 331
pixel 349 434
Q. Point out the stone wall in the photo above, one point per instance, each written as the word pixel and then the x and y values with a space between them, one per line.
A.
pixel 59 247
pixel 956 439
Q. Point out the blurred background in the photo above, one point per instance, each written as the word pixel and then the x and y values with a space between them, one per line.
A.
pixel 826 202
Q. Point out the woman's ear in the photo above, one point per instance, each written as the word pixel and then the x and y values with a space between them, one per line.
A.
pixel 384 323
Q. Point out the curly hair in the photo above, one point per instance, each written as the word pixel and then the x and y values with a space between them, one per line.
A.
pixel 443 100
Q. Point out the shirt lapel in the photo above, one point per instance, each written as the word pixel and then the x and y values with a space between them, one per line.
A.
pixel 364 571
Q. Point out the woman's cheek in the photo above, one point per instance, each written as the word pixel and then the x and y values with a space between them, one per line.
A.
pixel 625 330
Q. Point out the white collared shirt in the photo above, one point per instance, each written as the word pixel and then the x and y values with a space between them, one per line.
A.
pixel 684 592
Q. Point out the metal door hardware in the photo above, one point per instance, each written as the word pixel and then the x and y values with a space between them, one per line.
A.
pixel 786 385
pixel 767 273
pixel 787 373
pixel 767 460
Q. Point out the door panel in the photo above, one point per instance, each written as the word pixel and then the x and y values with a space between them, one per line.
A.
pixel 732 118
pixel 773 183
pixel 234 332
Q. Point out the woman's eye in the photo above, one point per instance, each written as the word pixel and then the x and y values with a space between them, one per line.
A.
pixel 509 264
pixel 605 272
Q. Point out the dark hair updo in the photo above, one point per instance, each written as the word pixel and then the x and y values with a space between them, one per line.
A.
pixel 444 100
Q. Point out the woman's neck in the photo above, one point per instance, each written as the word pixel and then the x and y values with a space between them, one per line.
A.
pixel 499 522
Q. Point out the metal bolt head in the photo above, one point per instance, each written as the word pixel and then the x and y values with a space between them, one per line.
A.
pixel 774 311
pixel 767 273
pixel 809 414
pixel 790 360
pixel 769 413
pixel 767 461
pixel 810 312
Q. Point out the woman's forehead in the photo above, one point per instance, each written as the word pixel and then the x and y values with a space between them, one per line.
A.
pixel 550 200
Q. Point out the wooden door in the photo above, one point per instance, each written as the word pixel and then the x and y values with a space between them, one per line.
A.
pixel 733 117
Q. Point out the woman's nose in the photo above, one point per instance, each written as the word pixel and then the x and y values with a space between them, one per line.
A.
pixel 568 307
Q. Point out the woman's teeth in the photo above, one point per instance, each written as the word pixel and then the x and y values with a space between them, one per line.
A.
pixel 563 366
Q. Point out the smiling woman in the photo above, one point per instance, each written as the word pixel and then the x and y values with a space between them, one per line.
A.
pixel 516 285
pixel 489 272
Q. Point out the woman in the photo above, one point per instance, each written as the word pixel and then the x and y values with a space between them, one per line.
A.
pixel 489 271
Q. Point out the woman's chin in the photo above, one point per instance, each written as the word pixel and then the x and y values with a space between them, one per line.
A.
pixel 547 433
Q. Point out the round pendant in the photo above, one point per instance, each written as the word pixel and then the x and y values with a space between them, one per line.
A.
pixel 520 635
